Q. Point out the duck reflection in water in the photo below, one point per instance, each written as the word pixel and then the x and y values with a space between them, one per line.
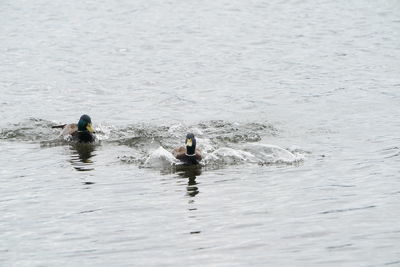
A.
pixel 81 156
pixel 190 172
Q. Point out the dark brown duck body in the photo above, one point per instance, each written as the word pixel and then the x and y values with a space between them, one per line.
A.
pixel 188 155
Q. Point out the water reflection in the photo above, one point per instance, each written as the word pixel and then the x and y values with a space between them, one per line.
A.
pixel 190 172
pixel 81 156
pixel 192 189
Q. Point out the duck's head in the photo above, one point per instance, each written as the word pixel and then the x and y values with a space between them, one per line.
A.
pixel 85 124
pixel 190 144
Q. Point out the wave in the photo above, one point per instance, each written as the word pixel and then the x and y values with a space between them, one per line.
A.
pixel 262 154
pixel 221 142
pixel 31 129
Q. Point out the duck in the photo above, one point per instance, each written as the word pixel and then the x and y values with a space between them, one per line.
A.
pixel 81 132
pixel 189 155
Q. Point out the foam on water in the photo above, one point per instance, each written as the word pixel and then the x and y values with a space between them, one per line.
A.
pixel 103 131
pixel 160 158
pixel 32 129
pixel 221 142
pixel 252 153
pixel 226 155
pixel 270 154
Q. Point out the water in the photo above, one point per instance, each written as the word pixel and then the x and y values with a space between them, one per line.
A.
pixel 294 104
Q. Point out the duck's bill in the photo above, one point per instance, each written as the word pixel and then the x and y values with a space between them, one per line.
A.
pixel 188 142
pixel 90 128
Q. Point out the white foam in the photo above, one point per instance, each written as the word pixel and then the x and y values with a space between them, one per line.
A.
pixel 226 155
pixel 196 131
pixel 251 153
pixel 103 132
pixel 204 145
pixel 177 129
pixel 160 158
pixel 267 153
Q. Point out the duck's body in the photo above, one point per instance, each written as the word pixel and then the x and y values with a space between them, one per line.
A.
pixel 180 153
pixel 83 136
pixel 188 155
pixel 80 132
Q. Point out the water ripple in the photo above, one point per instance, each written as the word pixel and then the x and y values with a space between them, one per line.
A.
pixel 346 210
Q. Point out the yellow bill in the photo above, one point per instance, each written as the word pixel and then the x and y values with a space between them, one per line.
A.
pixel 188 142
pixel 89 127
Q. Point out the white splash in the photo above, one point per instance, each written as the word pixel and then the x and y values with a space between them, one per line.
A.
pixel 204 145
pixel 177 129
pixel 196 131
pixel 226 155
pixel 266 153
pixel 160 158
pixel 252 153
pixel 103 132
pixel 181 130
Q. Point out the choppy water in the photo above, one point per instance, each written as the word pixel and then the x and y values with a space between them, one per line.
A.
pixel 295 105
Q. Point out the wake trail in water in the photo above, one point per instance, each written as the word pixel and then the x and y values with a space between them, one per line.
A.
pixel 221 142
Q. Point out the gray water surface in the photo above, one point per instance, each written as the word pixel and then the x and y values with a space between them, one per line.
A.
pixel 295 105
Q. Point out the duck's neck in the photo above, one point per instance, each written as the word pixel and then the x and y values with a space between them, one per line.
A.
pixel 190 150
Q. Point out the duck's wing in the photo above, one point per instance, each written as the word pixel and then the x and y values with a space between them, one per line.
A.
pixel 198 155
pixel 178 151
pixel 69 129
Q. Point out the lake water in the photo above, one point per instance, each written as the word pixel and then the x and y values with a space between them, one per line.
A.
pixel 295 105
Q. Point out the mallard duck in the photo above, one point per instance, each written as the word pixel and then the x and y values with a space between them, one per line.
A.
pixel 81 132
pixel 189 154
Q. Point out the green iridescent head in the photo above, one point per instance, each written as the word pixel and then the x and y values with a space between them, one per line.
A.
pixel 85 124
